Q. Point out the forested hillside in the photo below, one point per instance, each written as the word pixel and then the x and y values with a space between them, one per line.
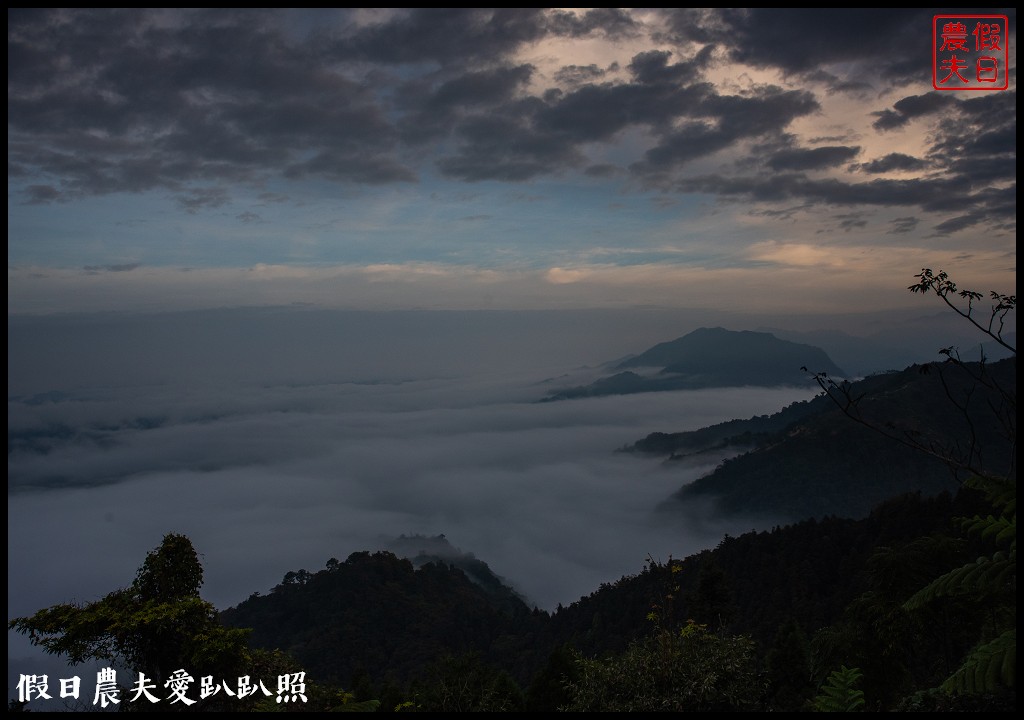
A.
pixel 810 460
pixel 375 623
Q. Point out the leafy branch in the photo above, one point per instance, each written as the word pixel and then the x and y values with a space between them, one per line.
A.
pixel 963 457
pixel 942 286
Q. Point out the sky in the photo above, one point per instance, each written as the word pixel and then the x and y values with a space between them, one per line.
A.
pixel 291 282
pixel 508 158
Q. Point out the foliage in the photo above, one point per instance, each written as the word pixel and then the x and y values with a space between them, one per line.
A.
pixel 992 580
pixel 548 689
pixel 157 625
pixel 160 624
pixel 788 669
pixel 989 666
pixel 690 669
pixel 466 684
pixel 940 284
pixel 980 397
pixel 711 601
pixel 377 614
pixel 839 694
pixel 986 411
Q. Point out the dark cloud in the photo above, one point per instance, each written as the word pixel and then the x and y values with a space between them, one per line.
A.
pixel 927 193
pixel 976 142
pixel 893 162
pixel 598 112
pixel 579 74
pixel 981 171
pixel 198 199
pixel 443 35
pixel 876 45
pixel 910 108
pixel 124 267
pixel 974 147
pixel 506 148
pixel 106 101
pixel 352 166
pixel 435 105
pixel 479 89
pixel 888 120
pixel 653 66
pixel 958 223
pixel 812 159
pixel 783 214
pixel 980 129
pixel 903 225
pixel 41 194
pixel 603 170
pixel 993 211
pixel 614 23
pixel 692 141
pixel 766 112
pixel 851 221
pixel 186 98
pixel 131 102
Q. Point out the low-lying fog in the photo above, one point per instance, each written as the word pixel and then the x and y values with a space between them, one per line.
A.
pixel 277 439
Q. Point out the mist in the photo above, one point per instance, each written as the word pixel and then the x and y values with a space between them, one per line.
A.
pixel 277 440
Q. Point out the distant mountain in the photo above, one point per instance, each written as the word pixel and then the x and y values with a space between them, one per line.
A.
pixel 711 357
pixel 811 460
pixel 743 434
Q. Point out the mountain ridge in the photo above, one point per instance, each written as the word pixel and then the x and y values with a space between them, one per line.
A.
pixel 710 357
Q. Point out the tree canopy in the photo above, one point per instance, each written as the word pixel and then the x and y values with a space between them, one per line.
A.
pixel 155 626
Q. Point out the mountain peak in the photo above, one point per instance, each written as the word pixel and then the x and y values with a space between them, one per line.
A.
pixel 713 357
pixel 757 353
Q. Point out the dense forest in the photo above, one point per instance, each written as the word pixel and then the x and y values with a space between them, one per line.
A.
pixel 826 593
pixel 890 586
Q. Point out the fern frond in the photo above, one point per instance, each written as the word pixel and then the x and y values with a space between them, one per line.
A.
pixel 985 575
pixel 990 666
pixel 1000 491
pixel 838 694
pixel 1002 529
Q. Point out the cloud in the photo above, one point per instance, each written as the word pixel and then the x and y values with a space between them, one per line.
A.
pixel 298 474
pixel 506 148
pixel 903 225
pixel 207 108
pixel 732 118
pixel 893 162
pixel 420 35
pixel 723 283
pixel 812 159
pixel 573 75
pixel 872 46
pixel 41 194
pixel 929 193
pixel 910 108
pixel 198 199
pixel 122 267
